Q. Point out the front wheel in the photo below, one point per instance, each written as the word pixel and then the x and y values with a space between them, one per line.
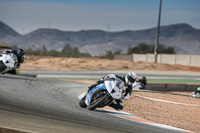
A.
pixel 82 102
pixel 100 102
pixel 2 67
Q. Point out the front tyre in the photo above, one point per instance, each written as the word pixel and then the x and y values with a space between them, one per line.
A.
pixel 2 67
pixel 82 102
pixel 100 102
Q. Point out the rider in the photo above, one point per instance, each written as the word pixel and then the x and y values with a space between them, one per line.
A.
pixel 143 82
pixel 123 82
pixel 20 55
pixel 196 93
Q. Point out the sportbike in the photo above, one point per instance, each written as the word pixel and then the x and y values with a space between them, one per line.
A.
pixel 7 62
pixel 100 96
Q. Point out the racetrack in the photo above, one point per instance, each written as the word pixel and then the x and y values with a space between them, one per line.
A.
pixel 43 105
pixel 96 74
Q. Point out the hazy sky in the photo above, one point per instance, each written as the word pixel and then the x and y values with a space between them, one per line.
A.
pixel 114 15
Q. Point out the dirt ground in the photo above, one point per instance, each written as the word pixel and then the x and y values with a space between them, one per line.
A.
pixel 182 112
pixel 181 116
pixel 64 63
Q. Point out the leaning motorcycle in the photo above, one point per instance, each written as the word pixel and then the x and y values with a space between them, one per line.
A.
pixel 7 62
pixel 100 96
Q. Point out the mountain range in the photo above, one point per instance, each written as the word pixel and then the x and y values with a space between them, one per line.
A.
pixel 183 37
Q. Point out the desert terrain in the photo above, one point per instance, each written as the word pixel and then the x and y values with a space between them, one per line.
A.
pixel 64 63
pixel 179 111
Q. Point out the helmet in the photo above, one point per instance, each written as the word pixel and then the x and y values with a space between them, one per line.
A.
pixel 21 52
pixel 130 78
pixel 198 89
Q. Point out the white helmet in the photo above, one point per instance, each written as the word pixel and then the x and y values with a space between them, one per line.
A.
pixel 130 78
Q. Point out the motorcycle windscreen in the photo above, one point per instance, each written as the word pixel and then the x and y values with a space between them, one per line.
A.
pixel 113 90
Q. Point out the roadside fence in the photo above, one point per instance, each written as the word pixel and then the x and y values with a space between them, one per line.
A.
pixel 181 59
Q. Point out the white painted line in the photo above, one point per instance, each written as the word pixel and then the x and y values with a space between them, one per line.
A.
pixel 116 112
pixel 153 99
pixel 17 129
pixel 156 124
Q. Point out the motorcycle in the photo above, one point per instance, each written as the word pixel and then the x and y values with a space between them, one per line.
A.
pixel 7 62
pixel 140 84
pixel 100 96
pixel 195 94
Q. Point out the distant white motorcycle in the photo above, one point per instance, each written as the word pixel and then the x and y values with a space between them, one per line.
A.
pixel 140 84
pixel 7 62
pixel 195 94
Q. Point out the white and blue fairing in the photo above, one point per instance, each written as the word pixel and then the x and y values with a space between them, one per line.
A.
pixel 88 98
pixel 9 59
pixel 110 86
pixel 113 90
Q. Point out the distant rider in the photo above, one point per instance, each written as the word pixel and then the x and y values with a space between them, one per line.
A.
pixel 123 82
pixel 196 93
pixel 20 55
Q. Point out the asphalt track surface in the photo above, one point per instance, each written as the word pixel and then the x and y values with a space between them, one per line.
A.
pixel 53 100
pixel 97 74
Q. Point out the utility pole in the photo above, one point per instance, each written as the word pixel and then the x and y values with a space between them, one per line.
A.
pixel 158 33
pixel 108 26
